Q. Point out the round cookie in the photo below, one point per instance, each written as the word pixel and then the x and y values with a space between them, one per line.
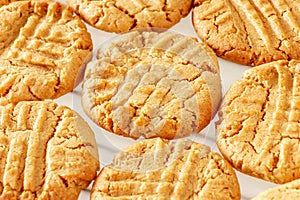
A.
pixel 161 169
pixel 258 131
pixel 249 32
pixel 122 15
pixel 44 46
pixel 286 191
pixel 47 151
pixel 152 85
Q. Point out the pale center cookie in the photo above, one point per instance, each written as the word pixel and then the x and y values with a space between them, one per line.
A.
pixel 43 48
pixel 259 122
pixel 160 169
pixel 124 15
pixel 47 151
pixel 152 84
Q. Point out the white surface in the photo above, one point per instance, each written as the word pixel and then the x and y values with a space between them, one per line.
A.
pixel 108 144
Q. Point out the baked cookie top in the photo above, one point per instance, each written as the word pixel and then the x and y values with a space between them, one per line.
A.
pixel 249 32
pixel 161 169
pixel 47 151
pixel 286 191
pixel 123 15
pixel 43 48
pixel 259 124
pixel 5 2
pixel 152 84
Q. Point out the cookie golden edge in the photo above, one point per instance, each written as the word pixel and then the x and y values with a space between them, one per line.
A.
pixel 100 188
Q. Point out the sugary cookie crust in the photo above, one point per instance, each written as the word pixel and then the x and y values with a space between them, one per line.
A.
pixel 43 47
pixel 259 122
pixel 123 15
pixel 249 32
pixel 160 169
pixel 150 84
pixel 47 151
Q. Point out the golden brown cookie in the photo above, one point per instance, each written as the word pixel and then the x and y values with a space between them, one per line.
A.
pixel 47 151
pixel 152 84
pixel 5 2
pixel 161 169
pixel 249 32
pixel 259 122
pixel 286 191
pixel 123 15
pixel 43 48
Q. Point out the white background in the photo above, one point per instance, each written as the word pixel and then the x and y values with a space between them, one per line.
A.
pixel 108 144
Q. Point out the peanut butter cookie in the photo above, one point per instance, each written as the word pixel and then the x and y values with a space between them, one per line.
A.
pixel 160 169
pixel 259 122
pixel 152 85
pixel 43 48
pixel 249 32
pixel 47 151
pixel 123 15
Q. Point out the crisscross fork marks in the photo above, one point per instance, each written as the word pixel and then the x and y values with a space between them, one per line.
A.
pixel 25 162
pixel 190 175
pixel 30 132
pixel 43 40
pixel 145 86
pixel 267 144
pixel 264 30
pixel 152 84
pixel 43 48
